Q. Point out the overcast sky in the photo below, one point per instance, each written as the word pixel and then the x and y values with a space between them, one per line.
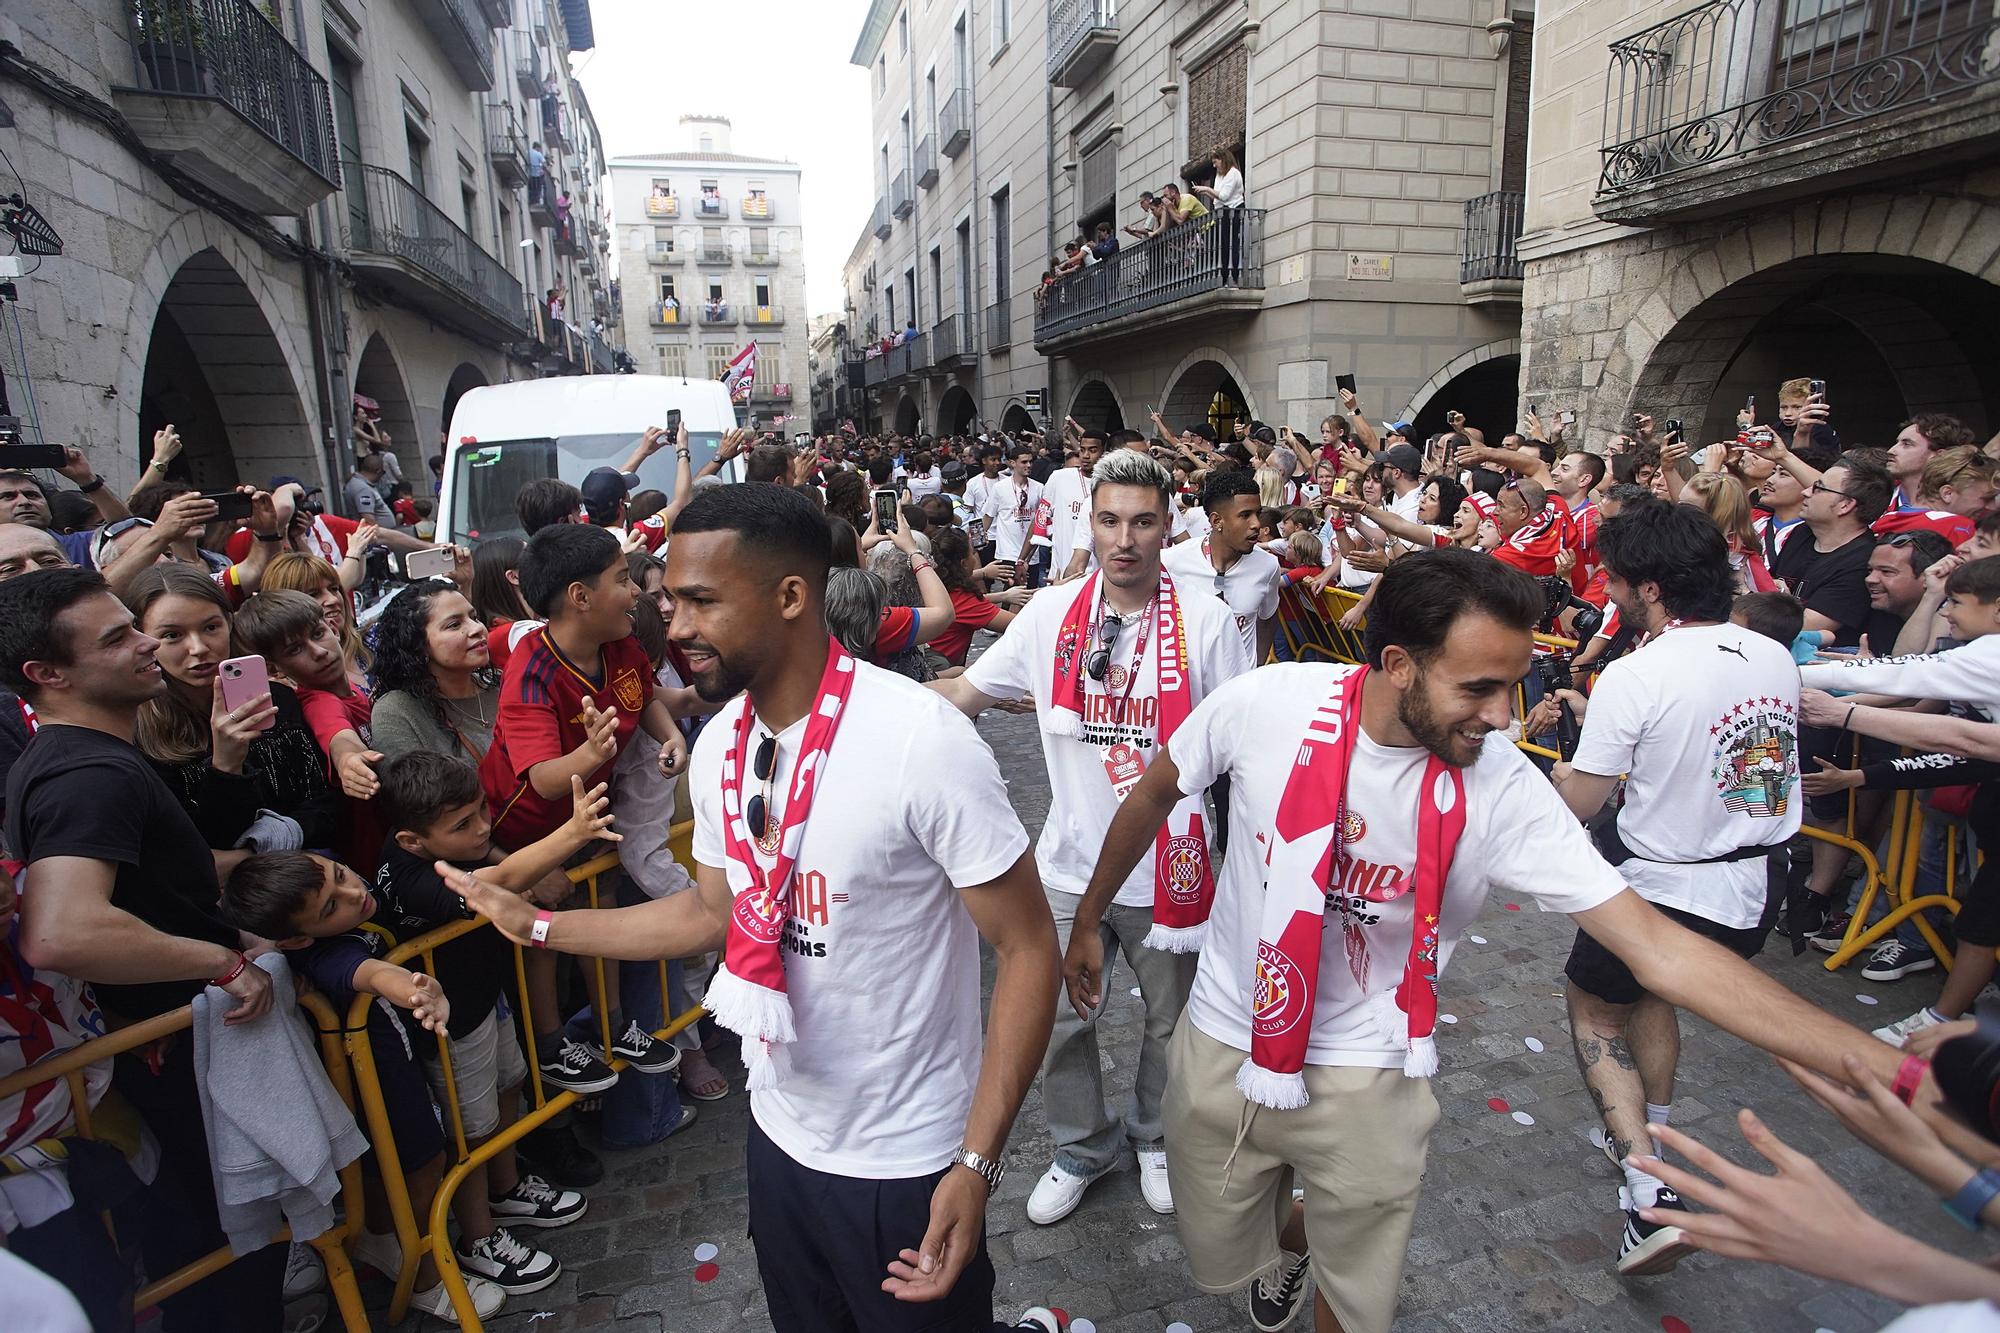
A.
pixel 784 83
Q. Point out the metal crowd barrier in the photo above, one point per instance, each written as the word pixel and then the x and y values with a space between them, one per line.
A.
pixel 434 1233
pixel 68 1066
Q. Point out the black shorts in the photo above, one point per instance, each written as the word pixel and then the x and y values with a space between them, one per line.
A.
pixel 406 1092
pixel 824 1243
pixel 1597 971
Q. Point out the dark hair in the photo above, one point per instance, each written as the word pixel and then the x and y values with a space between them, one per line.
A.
pixel 150 500
pixel 403 650
pixel 949 549
pixel 847 497
pixel 1868 485
pixel 881 470
pixel 644 505
pixel 545 502
pixel 1543 448
pixel 1421 596
pixel 938 513
pixel 15 475
pixel 649 627
pixel 1627 493
pixel 1592 465
pixel 1926 548
pixel 1450 495
pixel 1978 579
pixel 275 619
pixel 72 511
pixel 1778 616
pixel 767 463
pixel 493 596
pixel 1225 484
pixel 773 523
pixel 265 893
pixel 1680 548
pixel 418 787
pixel 1103 437
pixel 1485 481
pixel 1943 430
pixel 844 543
pixel 1125 439
pixel 30 606
pixel 562 555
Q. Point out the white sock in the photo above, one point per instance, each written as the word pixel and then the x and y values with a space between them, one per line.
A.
pixel 1658 1114
pixel 1644 1188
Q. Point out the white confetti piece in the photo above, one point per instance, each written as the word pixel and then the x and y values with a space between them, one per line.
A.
pixel 1866 999
pixel 1523 1118
pixel 1082 1326
pixel 1535 1044
pixel 1447 1018
pixel 1178 1327
pixel 704 1252
pixel 1138 994
pixel 1597 1139
pixel 1477 939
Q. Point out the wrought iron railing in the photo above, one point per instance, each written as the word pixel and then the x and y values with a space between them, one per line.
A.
pixel 713 254
pixel 1492 230
pixel 664 254
pixel 1736 76
pixel 714 312
pixel 764 314
pixel 1223 250
pixel 955 123
pixel 1071 22
pixel 710 206
pixel 927 162
pixel 668 314
pixel 228 50
pixel 874 370
pixel 1000 325
pixel 399 222
pixel 899 361
pixel 949 340
pixel 900 199
pixel 881 224
pixel 467 38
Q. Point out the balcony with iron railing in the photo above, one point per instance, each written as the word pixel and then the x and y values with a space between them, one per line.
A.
pixel 465 38
pixel 663 205
pixel 663 256
pixel 497 13
pixel 1195 272
pixel 710 206
pixel 763 314
pixel 761 258
pixel 1489 269
pixel 717 313
pixel 781 392
pixel 402 241
pixel 506 146
pixel 1082 36
pixel 669 315
pixel 218 90
pixel 951 342
pixel 881 225
pixel 897 361
pixel 756 207
pixel 714 256
pixel 927 163
pixel 527 64
pixel 955 123
pixel 1000 325
pixel 901 201
pixel 1741 103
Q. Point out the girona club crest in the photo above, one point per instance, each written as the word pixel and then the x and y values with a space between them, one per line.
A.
pixel 1278 997
pixel 757 916
pixel 1353 828
pixel 1184 856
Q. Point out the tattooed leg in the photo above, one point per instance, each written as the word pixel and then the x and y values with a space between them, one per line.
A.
pixel 1598 1030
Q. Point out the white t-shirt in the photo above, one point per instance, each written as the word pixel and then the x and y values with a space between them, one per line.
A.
pixel 1190 523
pixel 1068 492
pixel 1519 838
pixel 1250 587
pixel 976 488
pixel 1406 505
pixel 1010 509
pixel 1081 799
pixel 922 484
pixel 881 957
pixel 1704 719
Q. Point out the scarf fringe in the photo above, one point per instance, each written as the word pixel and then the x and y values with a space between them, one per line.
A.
pixel 1177 939
pixel 1421 1060
pixel 1386 1017
pixel 1268 1087
pixel 1063 721
pixel 755 1013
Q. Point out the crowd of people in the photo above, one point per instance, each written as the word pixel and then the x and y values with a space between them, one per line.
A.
pixel 1605 670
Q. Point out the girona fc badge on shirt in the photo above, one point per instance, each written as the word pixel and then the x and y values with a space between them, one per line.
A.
pixel 1115 678
pixel 628 690
pixel 1184 857
pixel 1278 997
pixel 758 914
pixel 1353 828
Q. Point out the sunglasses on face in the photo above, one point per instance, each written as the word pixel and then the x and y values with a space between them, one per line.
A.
pixel 757 814
pixel 1098 665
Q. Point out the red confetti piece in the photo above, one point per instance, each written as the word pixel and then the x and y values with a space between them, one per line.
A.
pixel 706 1272
pixel 1669 1324
pixel 1513 907
pixel 1062 1315
pixel 1498 1104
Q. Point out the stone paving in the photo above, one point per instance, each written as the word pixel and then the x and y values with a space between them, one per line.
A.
pixel 1517 1228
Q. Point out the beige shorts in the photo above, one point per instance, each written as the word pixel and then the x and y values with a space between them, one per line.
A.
pixel 484 1062
pixel 1357 1147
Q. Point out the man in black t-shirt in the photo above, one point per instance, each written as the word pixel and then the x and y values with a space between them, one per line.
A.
pixel 121 891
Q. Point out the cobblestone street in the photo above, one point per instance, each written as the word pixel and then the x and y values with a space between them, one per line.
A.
pixel 1517 1228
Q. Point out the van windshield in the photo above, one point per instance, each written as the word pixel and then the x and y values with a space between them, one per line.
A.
pixel 487 476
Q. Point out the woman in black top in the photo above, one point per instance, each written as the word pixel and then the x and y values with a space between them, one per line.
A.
pixel 223 779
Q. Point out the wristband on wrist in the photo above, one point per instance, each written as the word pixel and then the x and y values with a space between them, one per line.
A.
pixel 1850 716
pixel 1972 1198
pixel 539 935
pixel 242 961
pixel 89 487
pixel 1909 1076
pixel 269 536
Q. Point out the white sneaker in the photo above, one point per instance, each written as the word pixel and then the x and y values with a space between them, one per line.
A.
pixel 1153 1180
pixel 1057 1194
pixel 305 1271
pixel 1898 1033
pixel 486 1300
pixel 379 1252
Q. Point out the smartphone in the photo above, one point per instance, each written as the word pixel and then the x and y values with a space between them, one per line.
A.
pixel 241 679
pixel 229 504
pixel 1568 418
pixel 888 510
pixel 1750 403
pixel 1344 382
pixel 437 562
pixel 674 422
pixel 1674 427
pixel 31 455
pixel 1531 408
pixel 1817 388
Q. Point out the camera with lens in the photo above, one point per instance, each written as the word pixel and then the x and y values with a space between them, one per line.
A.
pixel 1552 668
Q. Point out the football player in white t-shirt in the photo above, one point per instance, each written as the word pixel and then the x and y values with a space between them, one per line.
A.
pixel 1228 564
pixel 876 1116
pixel 1449 634
pixel 1122 708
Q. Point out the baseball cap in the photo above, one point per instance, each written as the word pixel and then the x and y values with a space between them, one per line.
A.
pixel 953 471
pixel 1263 434
pixel 1205 431
pixel 287 479
pixel 604 489
pixel 1401 427
pixel 1405 459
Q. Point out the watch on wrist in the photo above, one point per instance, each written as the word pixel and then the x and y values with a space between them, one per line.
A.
pixel 990 1171
pixel 1972 1198
pixel 88 487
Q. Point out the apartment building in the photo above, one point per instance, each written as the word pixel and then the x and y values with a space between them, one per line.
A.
pixel 266 211
pixel 1727 196
pixel 711 255
pixel 1383 150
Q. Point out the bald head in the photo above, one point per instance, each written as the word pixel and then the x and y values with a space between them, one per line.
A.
pixel 25 548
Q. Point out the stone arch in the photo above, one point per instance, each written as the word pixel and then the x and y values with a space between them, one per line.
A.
pixel 1096 404
pixel 909 416
pixel 463 380
pixel 1678 343
pixel 1464 364
pixel 379 375
pixel 210 283
pixel 1016 418
pixel 1202 362
pixel 957 413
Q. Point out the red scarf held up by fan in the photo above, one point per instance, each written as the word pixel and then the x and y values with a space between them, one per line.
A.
pixel 1183 875
pixel 1305 858
pixel 748 995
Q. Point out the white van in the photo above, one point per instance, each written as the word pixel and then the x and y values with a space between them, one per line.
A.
pixel 504 436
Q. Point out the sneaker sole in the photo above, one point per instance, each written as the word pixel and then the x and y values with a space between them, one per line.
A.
pixel 1053 1218
pixel 510 1220
pixel 524 1289
pixel 1657 1254
pixel 579 1086
pixel 1897 973
pixel 657 1066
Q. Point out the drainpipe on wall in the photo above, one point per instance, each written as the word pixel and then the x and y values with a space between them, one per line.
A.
pixel 1049 242
pixel 323 307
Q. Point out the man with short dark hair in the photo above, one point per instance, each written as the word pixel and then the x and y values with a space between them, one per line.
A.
pixel 1826 567
pixel 23 499
pixel 546 501
pixel 1228 563
pixel 1067 493
pixel 1917 441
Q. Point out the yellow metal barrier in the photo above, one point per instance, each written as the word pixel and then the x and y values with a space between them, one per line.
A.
pixel 69 1066
pixel 434 1234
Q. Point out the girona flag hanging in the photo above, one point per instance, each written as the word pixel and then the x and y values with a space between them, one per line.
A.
pixel 741 373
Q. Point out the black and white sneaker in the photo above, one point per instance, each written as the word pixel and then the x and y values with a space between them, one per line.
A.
pixel 1277 1297
pixel 638 1048
pixel 1650 1248
pixel 577 1067
pixel 510 1265
pixel 533 1202
pixel 1893 960
pixel 1042 1319
pixel 553 1153
pixel 1831 932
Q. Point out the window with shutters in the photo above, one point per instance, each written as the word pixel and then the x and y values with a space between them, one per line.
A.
pixel 1097 185
pixel 1217 94
pixel 718 358
pixel 674 360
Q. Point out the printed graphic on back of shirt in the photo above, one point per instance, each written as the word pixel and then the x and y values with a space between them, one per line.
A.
pixel 1755 757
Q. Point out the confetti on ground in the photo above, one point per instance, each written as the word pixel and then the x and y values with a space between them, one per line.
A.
pixel 1597 1139
pixel 1523 1118
pixel 1866 999
pixel 1447 1018
pixel 1477 939
pixel 1138 994
pixel 540 1315
pixel 1082 1326
pixel 1535 1045
pixel 1498 1104
pixel 1513 907
pixel 1669 1324
pixel 1178 1327
pixel 706 1273
pixel 704 1252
